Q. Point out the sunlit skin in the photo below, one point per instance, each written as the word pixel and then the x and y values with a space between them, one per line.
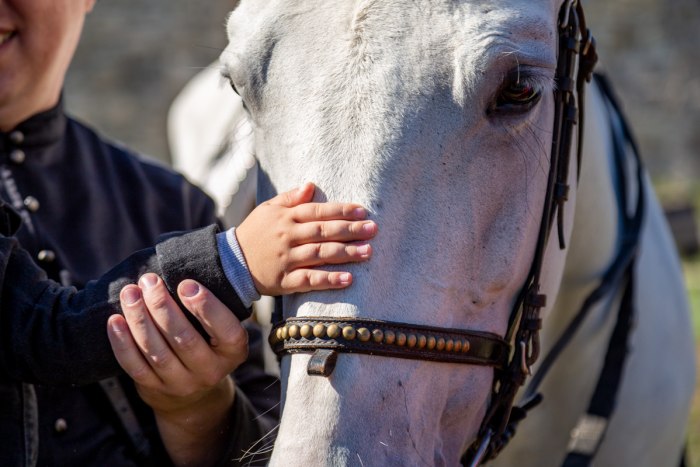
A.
pixel 37 41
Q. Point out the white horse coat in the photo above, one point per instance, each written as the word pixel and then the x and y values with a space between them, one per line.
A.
pixel 398 105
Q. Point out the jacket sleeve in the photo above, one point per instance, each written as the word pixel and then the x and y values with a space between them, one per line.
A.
pixel 55 335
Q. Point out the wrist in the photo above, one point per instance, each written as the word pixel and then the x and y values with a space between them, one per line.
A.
pixel 196 433
pixel 236 268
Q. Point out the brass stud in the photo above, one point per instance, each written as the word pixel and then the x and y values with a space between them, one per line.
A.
pixel 400 339
pixel 422 340
pixel 458 345
pixel 431 342
pixel 389 337
pixel 411 340
pixel 279 334
pixel 449 345
pixel 465 346
pixel 306 331
pixel 363 334
pixel 319 330
pixel 440 344
pixel 294 331
pixel 378 335
pixel 285 333
pixel 333 331
pixel 349 333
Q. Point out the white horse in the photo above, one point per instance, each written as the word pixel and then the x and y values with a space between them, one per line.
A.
pixel 438 117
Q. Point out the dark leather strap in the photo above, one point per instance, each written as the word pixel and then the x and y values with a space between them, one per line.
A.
pixel 375 337
pixel 591 427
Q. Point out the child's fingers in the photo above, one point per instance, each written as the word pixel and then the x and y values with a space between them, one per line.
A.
pixel 306 280
pixel 295 197
pixel 317 254
pixel 310 212
pixel 332 231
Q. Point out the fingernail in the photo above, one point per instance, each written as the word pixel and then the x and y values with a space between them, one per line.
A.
pixel 131 295
pixel 189 288
pixel 370 227
pixel 148 280
pixel 363 249
pixel 345 278
pixel 359 213
pixel 116 326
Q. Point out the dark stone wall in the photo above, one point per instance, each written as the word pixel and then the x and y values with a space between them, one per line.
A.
pixel 136 55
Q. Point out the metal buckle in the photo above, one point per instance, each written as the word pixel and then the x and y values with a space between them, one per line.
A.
pixel 586 435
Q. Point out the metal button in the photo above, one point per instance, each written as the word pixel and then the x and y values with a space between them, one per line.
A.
pixel 61 425
pixel 46 255
pixel 17 137
pixel 31 203
pixel 17 156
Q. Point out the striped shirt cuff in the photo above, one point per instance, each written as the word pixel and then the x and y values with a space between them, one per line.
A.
pixel 235 267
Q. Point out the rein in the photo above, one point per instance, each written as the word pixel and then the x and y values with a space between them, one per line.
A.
pixel 513 355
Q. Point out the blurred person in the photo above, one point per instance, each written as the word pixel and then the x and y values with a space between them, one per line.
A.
pixel 86 204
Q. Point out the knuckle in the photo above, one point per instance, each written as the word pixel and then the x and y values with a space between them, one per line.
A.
pixel 212 377
pixel 160 359
pixel 159 300
pixel 314 279
pixel 318 250
pixel 186 339
pixel 137 319
pixel 140 373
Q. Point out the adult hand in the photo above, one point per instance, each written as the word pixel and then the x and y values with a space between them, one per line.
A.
pixel 184 378
pixel 286 238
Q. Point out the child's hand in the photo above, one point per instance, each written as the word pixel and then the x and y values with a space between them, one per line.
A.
pixel 286 236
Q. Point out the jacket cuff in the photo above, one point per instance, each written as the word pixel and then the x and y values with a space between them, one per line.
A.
pixel 195 255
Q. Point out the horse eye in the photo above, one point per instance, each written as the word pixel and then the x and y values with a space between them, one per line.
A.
pixel 233 86
pixel 515 96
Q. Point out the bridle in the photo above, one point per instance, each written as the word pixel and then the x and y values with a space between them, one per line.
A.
pixel 512 355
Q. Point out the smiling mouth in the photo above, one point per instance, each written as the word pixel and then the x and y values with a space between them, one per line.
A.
pixel 6 36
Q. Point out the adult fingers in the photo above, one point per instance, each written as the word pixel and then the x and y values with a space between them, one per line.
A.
pixel 228 338
pixel 123 344
pixel 336 230
pixel 316 254
pixel 183 340
pixel 306 280
pixel 147 318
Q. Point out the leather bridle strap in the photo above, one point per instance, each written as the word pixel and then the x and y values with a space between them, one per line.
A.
pixel 326 336
pixel 575 63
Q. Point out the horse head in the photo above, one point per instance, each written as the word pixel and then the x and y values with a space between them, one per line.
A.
pixel 438 117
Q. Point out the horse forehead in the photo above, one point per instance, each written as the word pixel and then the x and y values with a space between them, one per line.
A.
pixel 322 27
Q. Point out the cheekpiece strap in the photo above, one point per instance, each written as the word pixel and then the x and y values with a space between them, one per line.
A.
pixel 384 338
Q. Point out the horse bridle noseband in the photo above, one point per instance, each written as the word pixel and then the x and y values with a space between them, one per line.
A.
pixel 513 355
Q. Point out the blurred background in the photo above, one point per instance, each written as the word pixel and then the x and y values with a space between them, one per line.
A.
pixel 136 55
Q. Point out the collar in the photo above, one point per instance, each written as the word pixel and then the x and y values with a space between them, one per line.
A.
pixel 38 131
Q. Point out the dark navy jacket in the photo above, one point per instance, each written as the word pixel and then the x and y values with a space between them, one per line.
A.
pixel 86 205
